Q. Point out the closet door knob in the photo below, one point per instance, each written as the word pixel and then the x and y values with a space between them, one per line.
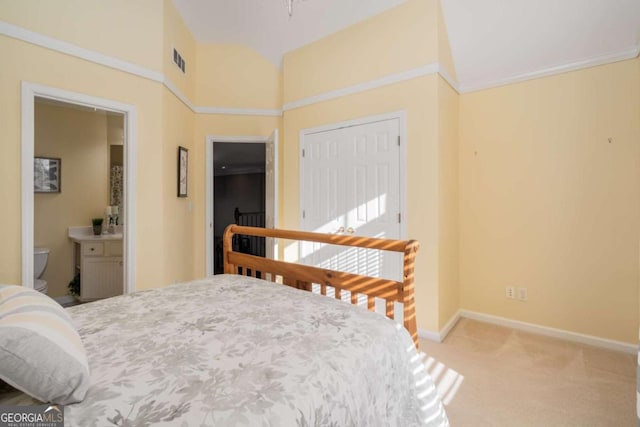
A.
pixel 340 230
pixel 350 230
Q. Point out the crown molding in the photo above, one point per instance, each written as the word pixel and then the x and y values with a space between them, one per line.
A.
pixel 47 42
pixel 178 94
pixel 239 111
pixel 609 58
pixel 389 79
pixel 444 73
pixel 51 43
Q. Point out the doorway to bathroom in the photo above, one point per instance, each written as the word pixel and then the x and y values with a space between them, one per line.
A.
pixel 78 204
pixel 78 169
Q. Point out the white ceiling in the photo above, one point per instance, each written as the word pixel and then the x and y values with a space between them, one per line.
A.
pixel 494 40
pixel 491 40
pixel 266 26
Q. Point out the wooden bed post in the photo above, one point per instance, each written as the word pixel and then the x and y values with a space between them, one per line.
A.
pixel 408 290
pixel 227 245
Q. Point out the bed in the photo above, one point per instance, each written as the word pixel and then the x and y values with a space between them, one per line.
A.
pixel 237 350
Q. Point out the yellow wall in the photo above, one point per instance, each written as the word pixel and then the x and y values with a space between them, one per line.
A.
pixel 400 39
pixel 178 130
pixel 236 76
pixel 448 238
pixel 216 124
pixel 445 59
pixel 176 35
pixel 231 76
pixel 128 30
pixel 79 139
pixel 115 129
pixel 170 231
pixel 515 185
pixel 77 75
pixel 547 203
pixel 418 98
pixel 141 33
pixel 448 138
pixel 179 215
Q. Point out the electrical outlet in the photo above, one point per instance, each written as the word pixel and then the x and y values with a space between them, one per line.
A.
pixel 522 294
pixel 510 292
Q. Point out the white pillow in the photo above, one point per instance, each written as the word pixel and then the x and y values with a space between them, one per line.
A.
pixel 41 353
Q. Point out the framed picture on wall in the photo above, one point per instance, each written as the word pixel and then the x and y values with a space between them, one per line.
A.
pixel 183 171
pixel 46 175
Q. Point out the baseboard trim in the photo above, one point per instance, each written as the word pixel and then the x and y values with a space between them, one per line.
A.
pixel 552 332
pixel 449 325
pixel 428 335
pixel 65 299
pixel 440 336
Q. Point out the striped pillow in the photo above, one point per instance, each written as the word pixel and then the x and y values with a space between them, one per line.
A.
pixel 40 351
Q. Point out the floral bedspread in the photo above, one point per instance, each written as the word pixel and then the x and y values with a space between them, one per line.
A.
pixel 237 351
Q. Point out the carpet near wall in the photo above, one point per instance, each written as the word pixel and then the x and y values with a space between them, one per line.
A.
pixel 491 375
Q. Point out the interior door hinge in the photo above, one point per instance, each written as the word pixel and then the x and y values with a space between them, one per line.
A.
pixel 304 214
pixel 399 217
pixel 398 140
pixel 303 152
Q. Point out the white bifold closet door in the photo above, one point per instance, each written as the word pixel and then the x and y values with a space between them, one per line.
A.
pixel 350 184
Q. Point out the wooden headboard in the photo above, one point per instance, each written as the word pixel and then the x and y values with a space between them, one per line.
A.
pixel 303 277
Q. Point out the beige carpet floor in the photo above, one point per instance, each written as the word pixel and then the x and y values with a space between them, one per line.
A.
pixel 495 376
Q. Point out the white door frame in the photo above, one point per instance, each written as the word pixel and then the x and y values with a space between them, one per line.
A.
pixel 29 92
pixel 402 119
pixel 210 140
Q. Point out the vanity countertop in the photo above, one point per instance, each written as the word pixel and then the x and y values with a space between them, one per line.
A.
pixel 85 234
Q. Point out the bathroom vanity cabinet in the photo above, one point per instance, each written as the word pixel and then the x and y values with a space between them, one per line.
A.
pixel 98 260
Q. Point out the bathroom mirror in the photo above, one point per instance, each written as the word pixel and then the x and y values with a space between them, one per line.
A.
pixel 46 175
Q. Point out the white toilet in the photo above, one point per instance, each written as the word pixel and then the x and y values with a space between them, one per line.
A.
pixel 40 257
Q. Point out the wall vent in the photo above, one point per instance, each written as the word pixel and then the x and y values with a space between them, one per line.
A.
pixel 179 61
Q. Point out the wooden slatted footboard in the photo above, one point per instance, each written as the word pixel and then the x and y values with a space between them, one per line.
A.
pixel 303 277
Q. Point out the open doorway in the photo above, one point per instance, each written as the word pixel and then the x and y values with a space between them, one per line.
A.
pixel 78 182
pixel 245 155
pixel 52 173
pixel 238 195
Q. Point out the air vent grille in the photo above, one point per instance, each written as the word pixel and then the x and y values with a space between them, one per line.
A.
pixel 179 61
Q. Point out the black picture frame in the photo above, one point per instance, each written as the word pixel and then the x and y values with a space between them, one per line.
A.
pixel 183 171
pixel 47 175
